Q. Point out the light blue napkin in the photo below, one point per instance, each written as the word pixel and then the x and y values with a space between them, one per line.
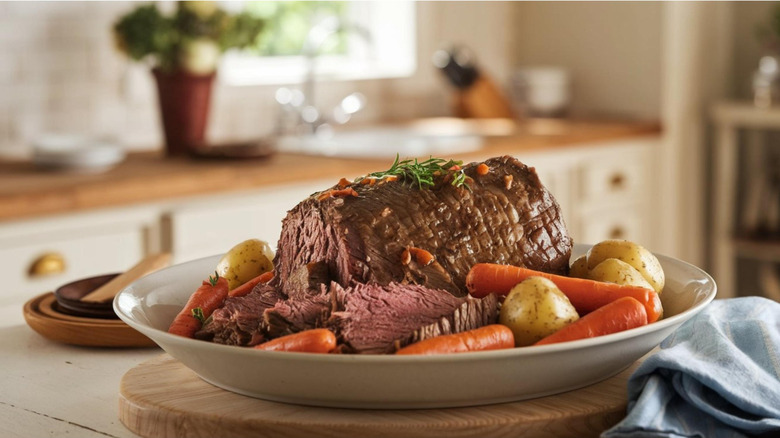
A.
pixel 717 376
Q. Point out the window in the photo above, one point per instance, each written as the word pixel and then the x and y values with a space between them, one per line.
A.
pixel 352 40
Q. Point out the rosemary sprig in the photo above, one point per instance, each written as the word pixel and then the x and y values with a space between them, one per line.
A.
pixel 197 313
pixel 423 173
pixel 213 280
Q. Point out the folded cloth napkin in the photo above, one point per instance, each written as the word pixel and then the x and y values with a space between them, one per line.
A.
pixel 716 376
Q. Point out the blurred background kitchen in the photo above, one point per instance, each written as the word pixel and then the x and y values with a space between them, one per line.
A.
pixel 649 121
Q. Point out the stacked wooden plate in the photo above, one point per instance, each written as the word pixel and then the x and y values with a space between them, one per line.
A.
pixel 43 316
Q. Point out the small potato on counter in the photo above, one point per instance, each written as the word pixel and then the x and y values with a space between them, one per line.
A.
pixel 245 261
pixel 631 253
pixel 534 309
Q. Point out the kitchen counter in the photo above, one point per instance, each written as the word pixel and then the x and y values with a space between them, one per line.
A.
pixel 27 192
pixel 52 389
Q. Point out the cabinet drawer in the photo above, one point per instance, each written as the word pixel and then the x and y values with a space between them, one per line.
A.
pixel 83 252
pixel 617 179
pixel 625 223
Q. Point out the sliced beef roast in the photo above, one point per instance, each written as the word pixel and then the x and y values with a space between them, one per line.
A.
pixel 503 216
pixel 369 318
pixel 238 321
pixel 473 313
pixel 297 313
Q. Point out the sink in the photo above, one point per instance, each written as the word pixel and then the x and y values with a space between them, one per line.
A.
pixel 379 143
pixel 422 138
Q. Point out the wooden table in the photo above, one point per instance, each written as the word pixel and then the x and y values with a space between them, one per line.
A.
pixel 52 389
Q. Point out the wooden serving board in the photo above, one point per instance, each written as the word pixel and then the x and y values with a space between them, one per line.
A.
pixel 163 398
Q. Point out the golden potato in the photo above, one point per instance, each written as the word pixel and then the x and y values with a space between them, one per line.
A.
pixel 245 261
pixel 619 272
pixel 635 255
pixel 579 268
pixel 534 309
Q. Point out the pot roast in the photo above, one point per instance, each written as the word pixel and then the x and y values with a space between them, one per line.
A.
pixel 383 261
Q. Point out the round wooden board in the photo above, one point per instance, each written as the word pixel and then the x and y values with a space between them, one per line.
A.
pixel 163 398
pixel 44 318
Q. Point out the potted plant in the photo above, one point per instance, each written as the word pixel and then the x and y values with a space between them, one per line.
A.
pixel 183 50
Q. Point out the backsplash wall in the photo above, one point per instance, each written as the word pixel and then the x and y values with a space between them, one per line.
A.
pixel 60 73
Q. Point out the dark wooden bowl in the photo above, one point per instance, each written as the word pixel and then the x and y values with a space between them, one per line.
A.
pixel 69 298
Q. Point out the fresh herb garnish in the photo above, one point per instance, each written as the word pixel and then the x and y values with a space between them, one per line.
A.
pixel 197 313
pixel 423 173
pixel 213 280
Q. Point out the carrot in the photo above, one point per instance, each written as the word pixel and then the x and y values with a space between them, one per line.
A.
pixel 247 287
pixel 622 314
pixel 308 341
pixel 332 193
pixel 489 337
pixel 585 295
pixel 421 256
pixel 209 296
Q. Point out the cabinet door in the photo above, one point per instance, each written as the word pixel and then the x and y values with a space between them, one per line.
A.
pixel 39 256
pixel 624 223
pixel 614 193
pixel 214 225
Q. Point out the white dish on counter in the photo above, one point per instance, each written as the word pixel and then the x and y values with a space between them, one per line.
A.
pixel 403 382
pixel 74 153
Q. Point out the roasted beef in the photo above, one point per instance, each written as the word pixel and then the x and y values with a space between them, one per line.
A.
pixel 366 318
pixel 239 320
pixel 504 216
pixel 297 313
pixel 372 318
pixel 383 263
pixel 471 314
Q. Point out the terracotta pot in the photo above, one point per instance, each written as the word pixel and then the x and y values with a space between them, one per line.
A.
pixel 184 108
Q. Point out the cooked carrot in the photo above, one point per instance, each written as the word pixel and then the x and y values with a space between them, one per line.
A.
pixel 249 285
pixel 421 256
pixel 483 169
pixel 622 314
pixel 203 302
pixel 307 341
pixel 489 337
pixel 349 191
pixel 508 181
pixel 585 295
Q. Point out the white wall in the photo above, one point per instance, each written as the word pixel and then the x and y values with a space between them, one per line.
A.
pixel 612 49
pixel 748 49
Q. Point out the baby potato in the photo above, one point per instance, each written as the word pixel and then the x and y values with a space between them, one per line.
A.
pixel 635 255
pixel 579 268
pixel 619 272
pixel 245 261
pixel 534 309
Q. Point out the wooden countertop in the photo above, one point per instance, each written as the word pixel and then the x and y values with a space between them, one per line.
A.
pixel 26 191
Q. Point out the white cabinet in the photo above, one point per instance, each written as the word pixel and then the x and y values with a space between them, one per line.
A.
pixel 40 255
pixel 614 194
